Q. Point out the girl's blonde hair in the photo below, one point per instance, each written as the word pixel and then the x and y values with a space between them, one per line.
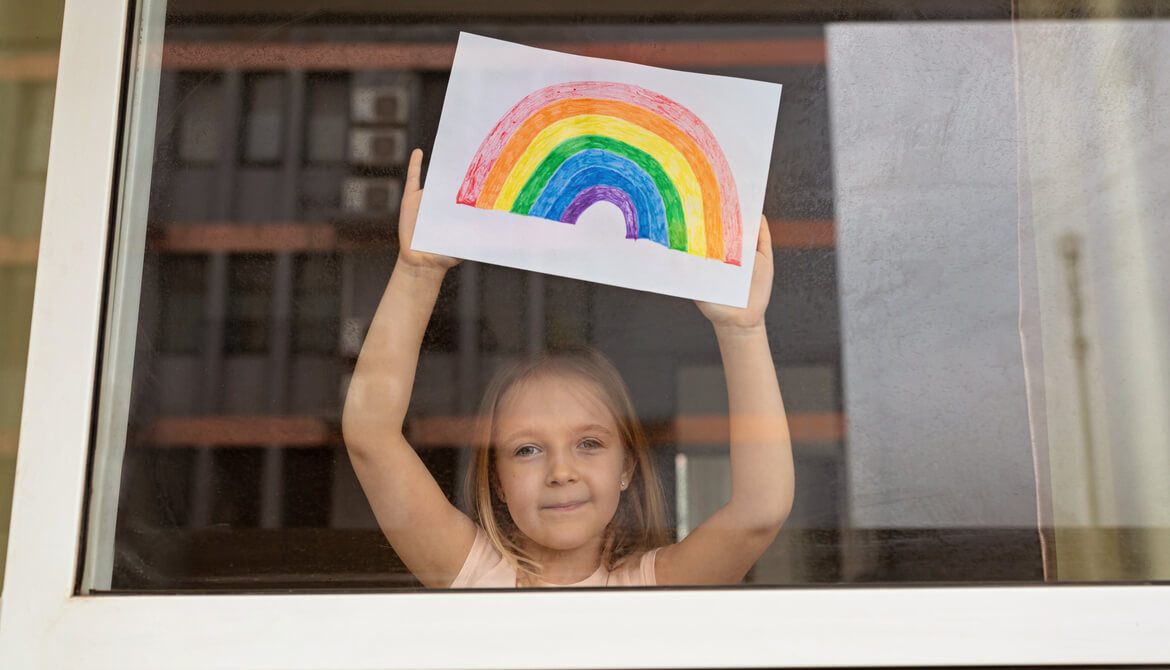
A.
pixel 639 524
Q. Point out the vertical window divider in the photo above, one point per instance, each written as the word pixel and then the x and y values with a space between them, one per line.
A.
pixel 281 311
pixel 215 305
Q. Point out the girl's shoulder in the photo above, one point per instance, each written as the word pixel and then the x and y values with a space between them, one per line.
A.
pixel 484 566
pixel 635 570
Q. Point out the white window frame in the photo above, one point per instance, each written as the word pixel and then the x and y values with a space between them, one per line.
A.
pixel 43 624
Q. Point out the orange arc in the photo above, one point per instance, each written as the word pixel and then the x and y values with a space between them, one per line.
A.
pixel 514 149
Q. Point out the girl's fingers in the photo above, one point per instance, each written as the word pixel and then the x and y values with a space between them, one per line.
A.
pixel 414 170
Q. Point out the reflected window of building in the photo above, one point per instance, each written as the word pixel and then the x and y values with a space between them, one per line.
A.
pixel 900 206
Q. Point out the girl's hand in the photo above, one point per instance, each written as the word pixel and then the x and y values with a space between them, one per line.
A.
pixel 407 213
pixel 751 316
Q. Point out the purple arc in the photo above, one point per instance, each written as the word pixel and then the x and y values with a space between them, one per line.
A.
pixel 595 194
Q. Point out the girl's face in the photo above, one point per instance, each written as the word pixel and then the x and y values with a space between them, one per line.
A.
pixel 560 461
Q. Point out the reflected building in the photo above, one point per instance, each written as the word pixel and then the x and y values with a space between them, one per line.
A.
pixel 279 159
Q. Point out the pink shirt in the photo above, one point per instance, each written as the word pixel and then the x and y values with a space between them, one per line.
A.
pixel 485 568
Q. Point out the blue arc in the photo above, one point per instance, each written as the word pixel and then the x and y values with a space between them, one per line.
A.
pixel 595 167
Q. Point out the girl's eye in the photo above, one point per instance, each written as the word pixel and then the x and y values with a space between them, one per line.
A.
pixel 590 443
pixel 526 450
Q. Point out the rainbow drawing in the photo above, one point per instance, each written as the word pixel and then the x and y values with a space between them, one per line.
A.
pixel 566 147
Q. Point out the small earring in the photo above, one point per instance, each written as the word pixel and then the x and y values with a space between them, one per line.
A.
pixel 623 485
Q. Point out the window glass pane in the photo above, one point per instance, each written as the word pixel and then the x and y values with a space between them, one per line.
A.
pixel 316 305
pixel 328 118
pixel 181 289
pixel 249 310
pixel 199 136
pixel 264 116
pixel 967 318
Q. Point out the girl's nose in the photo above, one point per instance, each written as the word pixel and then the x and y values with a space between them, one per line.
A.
pixel 561 470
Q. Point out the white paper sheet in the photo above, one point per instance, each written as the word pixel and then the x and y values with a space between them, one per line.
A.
pixel 730 125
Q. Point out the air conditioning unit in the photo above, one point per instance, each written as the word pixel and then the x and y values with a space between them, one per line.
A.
pixel 377 147
pixel 381 104
pixel 371 196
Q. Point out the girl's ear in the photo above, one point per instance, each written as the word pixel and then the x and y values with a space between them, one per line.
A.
pixel 628 468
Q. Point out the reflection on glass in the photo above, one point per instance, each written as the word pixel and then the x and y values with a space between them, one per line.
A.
pixel 248 317
pixel 199 138
pixel 264 118
pixel 316 305
pixel 945 427
pixel 181 289
pixel 328 119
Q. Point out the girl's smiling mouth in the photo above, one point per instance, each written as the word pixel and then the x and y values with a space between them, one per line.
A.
pixel 565 507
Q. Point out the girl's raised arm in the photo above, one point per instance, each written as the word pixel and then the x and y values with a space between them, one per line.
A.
pixel 429 534
pixel 725 546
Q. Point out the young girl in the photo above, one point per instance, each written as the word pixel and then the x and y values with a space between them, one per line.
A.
pixel 562 481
